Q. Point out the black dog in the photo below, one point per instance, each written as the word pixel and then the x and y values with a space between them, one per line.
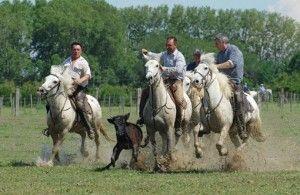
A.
pixel 129 136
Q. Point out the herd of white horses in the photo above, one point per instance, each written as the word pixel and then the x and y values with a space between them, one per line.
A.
pixel 205 85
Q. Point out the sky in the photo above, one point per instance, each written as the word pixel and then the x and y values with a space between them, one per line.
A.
pixel 289 8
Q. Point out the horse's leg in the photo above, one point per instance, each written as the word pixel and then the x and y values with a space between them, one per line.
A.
pixel 186 134
pixel 170 143
pixel 97 142
pixel 197 145
pixel 57 141
pixel 164 142
pixel 83 149
pixel 220 145
pixel 153 144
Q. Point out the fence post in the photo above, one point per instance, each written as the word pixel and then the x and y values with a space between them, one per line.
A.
pixel 17 107
pixel 1 103
pixel 139 93
pixel 31 101
pixel 281 97
pixel 123 104
pixel 97 93
pixel 130 102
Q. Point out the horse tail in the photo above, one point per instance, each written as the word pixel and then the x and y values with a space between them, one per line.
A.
pixel 104 133
pixel 254 127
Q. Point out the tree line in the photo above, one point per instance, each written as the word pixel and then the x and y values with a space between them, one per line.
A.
pixel 33 36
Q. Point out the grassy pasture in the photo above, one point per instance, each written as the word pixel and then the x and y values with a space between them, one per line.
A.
pixel 21 142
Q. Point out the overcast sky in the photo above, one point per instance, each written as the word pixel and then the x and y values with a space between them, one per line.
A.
pixel 286 7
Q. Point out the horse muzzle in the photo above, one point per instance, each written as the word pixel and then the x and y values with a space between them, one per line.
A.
pixel 41 92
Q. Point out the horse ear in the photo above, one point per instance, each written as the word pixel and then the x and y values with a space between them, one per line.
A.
pixel 127 116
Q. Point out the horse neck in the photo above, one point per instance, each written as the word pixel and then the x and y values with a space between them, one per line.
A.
pixel 158 93
pixel 213 93
pixel 57 99
pixel 195 97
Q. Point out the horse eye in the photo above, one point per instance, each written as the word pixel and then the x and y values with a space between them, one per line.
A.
pixel 156 66
pixel 205 68
pixel 55 82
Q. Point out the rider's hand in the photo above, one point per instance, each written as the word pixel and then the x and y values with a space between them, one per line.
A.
pixel 145 51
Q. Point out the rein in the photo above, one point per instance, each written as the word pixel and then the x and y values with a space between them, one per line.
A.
pixel 208 110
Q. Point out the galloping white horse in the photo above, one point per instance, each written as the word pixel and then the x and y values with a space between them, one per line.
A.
pixel 62 117
pixel 217 115
pixel 160 111
pixel 195 94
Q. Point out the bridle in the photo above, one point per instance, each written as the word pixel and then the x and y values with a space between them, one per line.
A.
pixel 57 85
pixel 206 85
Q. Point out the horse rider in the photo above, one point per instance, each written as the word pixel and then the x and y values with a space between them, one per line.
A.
pixel 262 89
pixel 173 72
pixel 197 58
pixel 230 61
pixel 80 71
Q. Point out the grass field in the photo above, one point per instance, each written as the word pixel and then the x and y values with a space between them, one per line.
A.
pixel 21 143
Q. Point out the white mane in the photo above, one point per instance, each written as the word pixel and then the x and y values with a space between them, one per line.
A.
pixel 57 69
pixel 224 82
pixel 62 73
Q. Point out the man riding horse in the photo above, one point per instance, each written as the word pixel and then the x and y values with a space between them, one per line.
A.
pixel 173 73
pixel 79 69
pixel 230 61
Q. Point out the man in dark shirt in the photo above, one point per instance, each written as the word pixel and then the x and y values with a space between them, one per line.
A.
pixel 197 59
pixel 230 61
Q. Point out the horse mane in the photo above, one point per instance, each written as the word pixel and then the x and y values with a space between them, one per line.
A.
pixel 223 80
pixel 62 72
pixel 57 69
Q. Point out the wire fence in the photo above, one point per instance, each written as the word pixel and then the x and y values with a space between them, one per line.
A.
pixel 17 102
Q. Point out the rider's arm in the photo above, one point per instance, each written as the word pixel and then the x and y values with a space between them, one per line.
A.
pixel 225 65
pixel 151 56
pixel 179 68
pixel 235 57
pixel 87 74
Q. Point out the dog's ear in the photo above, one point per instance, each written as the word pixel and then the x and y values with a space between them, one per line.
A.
pixel 127 116
pixel 110 120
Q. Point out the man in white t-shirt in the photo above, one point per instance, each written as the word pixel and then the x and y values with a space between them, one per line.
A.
pixel 80 71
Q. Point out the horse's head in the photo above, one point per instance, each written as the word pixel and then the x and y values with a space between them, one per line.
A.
pixel 153 70
pixel 201 74
pixel 57 77
pixel 50 85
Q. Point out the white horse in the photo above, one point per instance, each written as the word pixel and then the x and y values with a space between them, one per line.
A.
pixel 62 117
pixel 160 111
pixel 217 115
pixel 195 94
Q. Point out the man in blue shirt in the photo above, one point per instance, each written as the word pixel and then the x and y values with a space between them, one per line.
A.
pixel 173 71
pixel 230 61
pixel 197 59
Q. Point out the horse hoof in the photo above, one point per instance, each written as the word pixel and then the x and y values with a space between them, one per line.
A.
pixel 85 153
pixel 199 155
pixel 222 150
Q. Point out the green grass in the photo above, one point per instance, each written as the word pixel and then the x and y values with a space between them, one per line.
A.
pixel 21 143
